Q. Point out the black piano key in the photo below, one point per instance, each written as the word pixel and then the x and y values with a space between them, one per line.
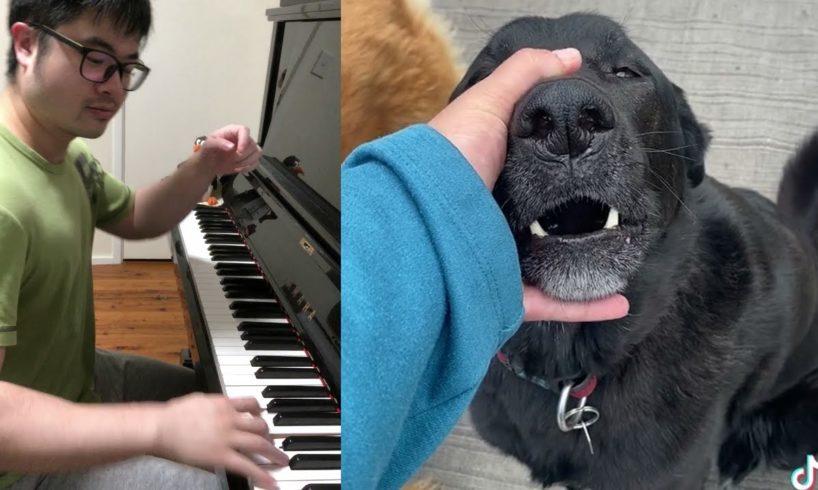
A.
pixel 246 326
pixel 244 282
pixel 284 330
pixel 218 219
pixel 315 462
pixel 217 229
pixel 322 486
pixel 280 361
pixel 228 271
pixel 257 313
pixel 217 226
pixel 211 211
pixel 226 248
pixel 220 266
pixel 306 405
pixel 224 238
pixel 311 443
pixel 249 288
pixel 273 345
pixel 269 334
pixel 214 222
pixel 247 294
pixel 216 238
pixel 257 305
pixel 285 373
pixel 232 257
pixel 236 267
pixel 294 392
pixel 303 418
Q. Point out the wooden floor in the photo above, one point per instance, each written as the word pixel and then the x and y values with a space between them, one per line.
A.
pixel 139 310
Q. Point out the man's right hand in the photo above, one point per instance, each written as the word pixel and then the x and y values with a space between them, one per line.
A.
pixel 212 431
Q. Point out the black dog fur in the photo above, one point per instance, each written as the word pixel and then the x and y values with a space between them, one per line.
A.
pixel 717 361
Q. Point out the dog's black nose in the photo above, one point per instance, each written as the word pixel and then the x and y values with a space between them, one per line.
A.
pixel 567 116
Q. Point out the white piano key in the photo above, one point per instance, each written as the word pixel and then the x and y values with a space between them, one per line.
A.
pixel 285 474
pixel 227 320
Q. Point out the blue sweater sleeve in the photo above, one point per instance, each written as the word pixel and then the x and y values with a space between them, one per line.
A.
pixel 431 289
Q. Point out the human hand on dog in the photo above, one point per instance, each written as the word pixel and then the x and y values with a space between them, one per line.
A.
pixel 541 307
pixel 476 123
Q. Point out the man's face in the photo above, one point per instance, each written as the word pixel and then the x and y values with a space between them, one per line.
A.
pixel 59 97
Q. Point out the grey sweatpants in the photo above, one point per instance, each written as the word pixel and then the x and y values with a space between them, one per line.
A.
pixel 128 378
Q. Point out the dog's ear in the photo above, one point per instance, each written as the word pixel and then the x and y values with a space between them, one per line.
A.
pixel 696 138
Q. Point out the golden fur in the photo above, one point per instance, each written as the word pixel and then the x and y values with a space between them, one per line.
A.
pixel 398 67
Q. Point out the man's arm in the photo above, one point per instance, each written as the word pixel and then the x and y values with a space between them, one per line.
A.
pixel 161 206
pixel 40 433
pixel 44 433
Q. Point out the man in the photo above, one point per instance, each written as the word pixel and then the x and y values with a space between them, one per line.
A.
pixel 70 67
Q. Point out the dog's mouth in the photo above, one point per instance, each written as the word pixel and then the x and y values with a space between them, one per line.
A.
pixel 576 218
pixel 581 248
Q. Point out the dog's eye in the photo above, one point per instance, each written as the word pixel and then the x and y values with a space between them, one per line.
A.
pixel 625 72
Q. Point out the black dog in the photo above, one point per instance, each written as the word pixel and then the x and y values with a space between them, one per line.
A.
pixel 605 191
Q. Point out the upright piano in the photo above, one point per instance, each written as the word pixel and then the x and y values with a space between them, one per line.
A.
pixel 260 270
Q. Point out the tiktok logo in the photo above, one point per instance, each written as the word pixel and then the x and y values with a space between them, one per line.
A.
pixel 803 478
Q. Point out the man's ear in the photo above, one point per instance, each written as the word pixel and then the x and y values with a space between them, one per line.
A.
pixel 696 139
pixel 24 43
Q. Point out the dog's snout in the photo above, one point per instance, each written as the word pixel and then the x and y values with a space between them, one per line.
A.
pixel 567 116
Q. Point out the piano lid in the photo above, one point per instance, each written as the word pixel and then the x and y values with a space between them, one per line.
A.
pixel 301 121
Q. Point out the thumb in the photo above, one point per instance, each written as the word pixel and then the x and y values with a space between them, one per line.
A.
pixel 501 90
pixel 541 307
pixel 218 143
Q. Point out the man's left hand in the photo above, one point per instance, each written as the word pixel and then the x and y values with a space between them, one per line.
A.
pixel 229 150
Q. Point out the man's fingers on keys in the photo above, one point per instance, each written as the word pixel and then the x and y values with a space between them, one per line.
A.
pixel 252 423
pixel 260 449
pixel 238 463
pixel 246 404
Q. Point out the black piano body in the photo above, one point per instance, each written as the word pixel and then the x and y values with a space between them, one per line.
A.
pixel 260 272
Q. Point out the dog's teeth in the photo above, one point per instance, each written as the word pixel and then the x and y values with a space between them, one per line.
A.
pixel 537 230
pixel 613 219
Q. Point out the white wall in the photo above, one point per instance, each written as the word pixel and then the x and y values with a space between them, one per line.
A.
pixel 208 61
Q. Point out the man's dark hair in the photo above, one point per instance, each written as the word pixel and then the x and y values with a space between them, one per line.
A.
pixel 131 16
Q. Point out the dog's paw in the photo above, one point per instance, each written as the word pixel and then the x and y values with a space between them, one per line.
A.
pixel 737 458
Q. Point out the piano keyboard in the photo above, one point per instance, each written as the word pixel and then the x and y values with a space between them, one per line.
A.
pixel 258 354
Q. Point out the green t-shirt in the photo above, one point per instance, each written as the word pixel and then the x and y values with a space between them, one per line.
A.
pixel 48 213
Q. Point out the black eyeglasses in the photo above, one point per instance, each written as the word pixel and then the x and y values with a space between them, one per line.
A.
pixel 99 66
